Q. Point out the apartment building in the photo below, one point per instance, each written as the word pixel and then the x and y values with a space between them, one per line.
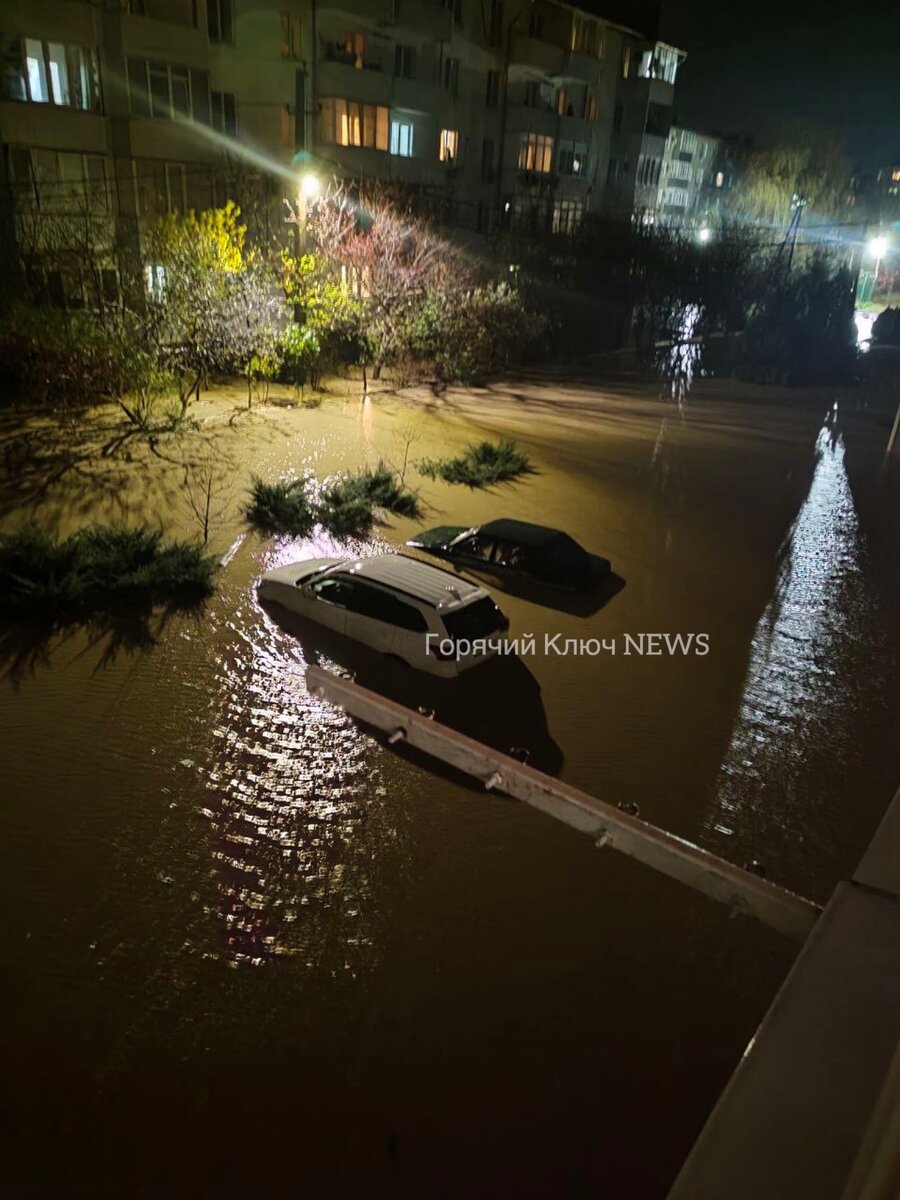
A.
pixel 115 111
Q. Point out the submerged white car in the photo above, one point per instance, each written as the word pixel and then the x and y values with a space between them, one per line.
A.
pixel 393 604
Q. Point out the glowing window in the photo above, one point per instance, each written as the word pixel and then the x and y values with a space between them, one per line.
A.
pixel 448 149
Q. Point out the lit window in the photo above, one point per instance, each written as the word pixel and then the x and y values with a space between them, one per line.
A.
pixel 59 73
pixel 535 153
pixel 449 145
pixel 562 102
pixel 37 72
pixel 401 139
pixel 590 105
pixel 895 175
pixel 348 123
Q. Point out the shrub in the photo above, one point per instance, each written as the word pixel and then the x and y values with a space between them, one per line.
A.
pixel 479 465
pixel 99 569
pixel 284 507
pixel 474 333
pixel 347 505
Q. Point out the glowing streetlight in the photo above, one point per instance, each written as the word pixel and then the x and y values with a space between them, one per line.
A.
pixel 704 235
pixel 879 246
pixel 309 186
pixel 306 192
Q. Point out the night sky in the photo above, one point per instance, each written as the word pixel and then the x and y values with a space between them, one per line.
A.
pixel 752 64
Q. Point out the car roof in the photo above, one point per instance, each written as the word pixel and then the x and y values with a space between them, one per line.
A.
pixel 441 589
pixel 522 532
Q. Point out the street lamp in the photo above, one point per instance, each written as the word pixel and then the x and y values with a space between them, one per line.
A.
pixel 878 247
pixel 704 235
pixel 307 191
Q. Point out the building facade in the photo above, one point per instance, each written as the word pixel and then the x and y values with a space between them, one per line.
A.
pixel 113 112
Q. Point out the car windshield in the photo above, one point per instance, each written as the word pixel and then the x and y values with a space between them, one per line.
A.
pixel 475 620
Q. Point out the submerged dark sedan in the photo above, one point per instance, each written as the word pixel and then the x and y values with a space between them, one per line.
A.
pixel 516 548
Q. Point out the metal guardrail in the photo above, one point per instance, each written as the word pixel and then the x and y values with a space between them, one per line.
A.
pixel 607 825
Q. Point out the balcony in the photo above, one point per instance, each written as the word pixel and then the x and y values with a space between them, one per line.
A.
pixel 426 18
pixel 345 80
pixel 583 68
pixel 540 58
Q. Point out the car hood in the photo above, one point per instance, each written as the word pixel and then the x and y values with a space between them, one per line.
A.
pixel 438 538
pixel 298 570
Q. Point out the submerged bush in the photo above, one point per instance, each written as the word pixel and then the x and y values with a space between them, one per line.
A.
pixel 345 507
pixel 479 465
pixel 284 507
pixel 97 570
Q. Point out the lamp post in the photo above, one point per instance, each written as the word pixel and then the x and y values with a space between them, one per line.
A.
pixel 878 248
pixel 307 191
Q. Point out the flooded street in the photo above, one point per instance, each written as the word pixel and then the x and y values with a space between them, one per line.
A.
pixel 248 946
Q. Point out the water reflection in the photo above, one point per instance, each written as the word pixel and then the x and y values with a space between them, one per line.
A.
pixel 797 690
pixel 680 359
pixel 292 787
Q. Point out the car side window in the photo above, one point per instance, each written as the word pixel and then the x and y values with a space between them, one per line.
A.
pixel 510 555
pixel 382 606
pixel 475 547
pixel 334 591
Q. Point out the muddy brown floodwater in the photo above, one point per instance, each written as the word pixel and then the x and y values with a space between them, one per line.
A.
pixel 249 947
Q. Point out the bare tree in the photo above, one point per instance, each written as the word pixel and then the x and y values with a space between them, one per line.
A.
pixel 208 488
pixel 389 259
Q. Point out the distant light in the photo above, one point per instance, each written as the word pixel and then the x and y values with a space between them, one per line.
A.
pixel 704 234
pixel 506 206
pixel 310 186
pixel 879 246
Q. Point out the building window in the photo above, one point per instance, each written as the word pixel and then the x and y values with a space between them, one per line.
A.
pixel 164 90
pixel 536 153
pixel 566 216
pixel 659 63
pixel 51 73
pixel 405 61
pixel 573 158
pixel 626 61
pixel 348 123
pixel 487 160
pixel 222 112
pixel 590 105
pixel 59 181
pixel 448 149
pixel 585 35
pixel 451 75
pixel 495 26
pixel 176 188
pixel 563 105
pixel 218 20
pixel 492 92
pixel 290 36
pixel 402 139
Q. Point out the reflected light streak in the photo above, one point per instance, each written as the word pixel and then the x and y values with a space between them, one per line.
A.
pixel 794 694
pixel 291 778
